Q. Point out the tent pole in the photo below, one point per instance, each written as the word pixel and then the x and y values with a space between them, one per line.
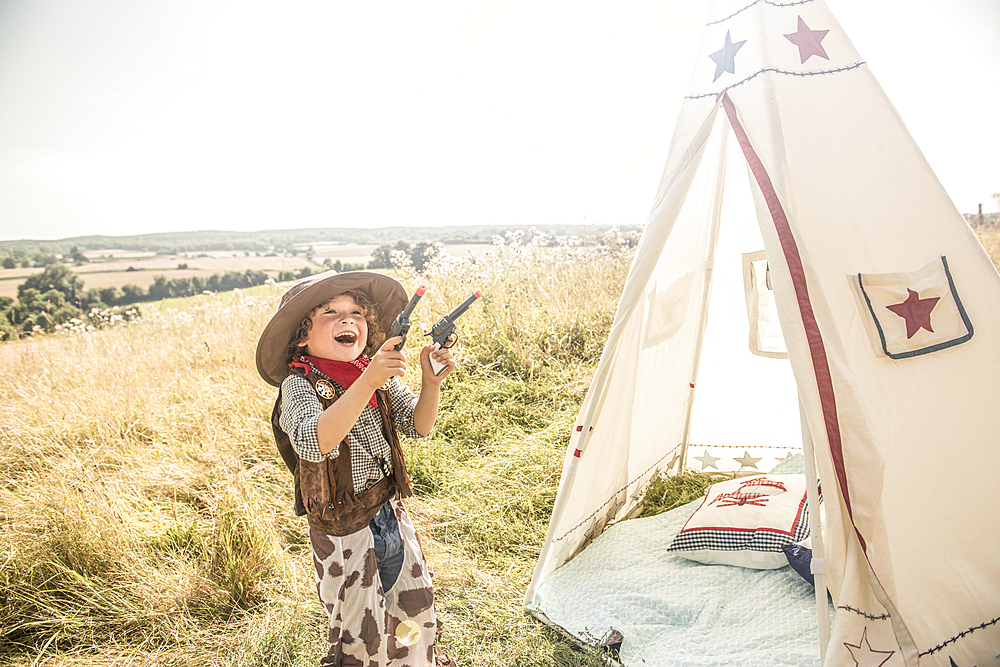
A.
pixel 818 565
pixel 706 291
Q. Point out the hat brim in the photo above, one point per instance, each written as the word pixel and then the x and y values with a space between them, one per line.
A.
pixel 272 348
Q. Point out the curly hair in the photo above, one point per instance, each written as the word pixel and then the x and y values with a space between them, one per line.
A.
pixel 370 310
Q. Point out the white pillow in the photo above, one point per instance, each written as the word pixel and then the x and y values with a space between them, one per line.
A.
pixel 746 522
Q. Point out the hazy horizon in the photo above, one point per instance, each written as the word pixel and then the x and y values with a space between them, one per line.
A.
pixel 547 228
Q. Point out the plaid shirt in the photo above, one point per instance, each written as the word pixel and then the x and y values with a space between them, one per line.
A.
pixel 300 411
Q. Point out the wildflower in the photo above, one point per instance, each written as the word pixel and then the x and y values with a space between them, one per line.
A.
pixel 400 259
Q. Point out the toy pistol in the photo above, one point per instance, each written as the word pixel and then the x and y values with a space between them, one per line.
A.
pixel 444 332
pixel 401 326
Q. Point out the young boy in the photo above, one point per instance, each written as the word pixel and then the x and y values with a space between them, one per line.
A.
pixel 336 422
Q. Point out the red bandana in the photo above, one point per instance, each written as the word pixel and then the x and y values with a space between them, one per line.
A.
pixel 343 373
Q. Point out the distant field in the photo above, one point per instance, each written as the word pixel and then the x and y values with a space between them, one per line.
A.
pixel 465 249
pixel 110 268
pixel 115 272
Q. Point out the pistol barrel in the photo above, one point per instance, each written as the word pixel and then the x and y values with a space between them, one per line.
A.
pixel 401 325
pixel 464 306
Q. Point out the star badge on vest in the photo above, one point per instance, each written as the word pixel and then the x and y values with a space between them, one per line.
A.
pixel 325 389
pixel 911 314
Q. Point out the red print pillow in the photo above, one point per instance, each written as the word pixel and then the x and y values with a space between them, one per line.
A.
pixel 746 522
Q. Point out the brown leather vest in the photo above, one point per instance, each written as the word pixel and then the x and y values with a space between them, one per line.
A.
pixel 324 491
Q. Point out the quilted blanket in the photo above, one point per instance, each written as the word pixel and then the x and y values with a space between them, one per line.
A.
pixel 673 612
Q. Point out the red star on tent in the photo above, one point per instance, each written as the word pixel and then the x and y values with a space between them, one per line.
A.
pixel 916 312
pixel 808 41
pixel 867 657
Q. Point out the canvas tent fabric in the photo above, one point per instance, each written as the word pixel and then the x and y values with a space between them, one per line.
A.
pixel 906 444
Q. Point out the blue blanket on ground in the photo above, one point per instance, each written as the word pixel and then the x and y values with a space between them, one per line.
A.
pixel 674 612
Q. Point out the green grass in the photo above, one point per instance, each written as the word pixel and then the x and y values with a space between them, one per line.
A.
pixel 185 303
pixel 665 493
pixel 146 518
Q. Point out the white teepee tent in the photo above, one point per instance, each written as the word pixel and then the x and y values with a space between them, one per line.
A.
pixel 890 311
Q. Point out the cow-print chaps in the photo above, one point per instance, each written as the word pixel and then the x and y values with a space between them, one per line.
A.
pixel 363 619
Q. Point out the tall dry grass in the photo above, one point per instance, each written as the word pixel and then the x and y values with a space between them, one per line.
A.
pixel 990 238
pixel 139 484
pixel 146 518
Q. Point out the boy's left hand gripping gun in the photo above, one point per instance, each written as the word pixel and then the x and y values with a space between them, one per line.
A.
pixel 401 326
pixel 444 332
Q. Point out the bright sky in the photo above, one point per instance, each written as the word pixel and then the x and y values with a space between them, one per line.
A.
pixel 125 117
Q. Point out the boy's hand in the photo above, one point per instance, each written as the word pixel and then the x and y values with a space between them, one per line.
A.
pixel 441 355
pixel 386 363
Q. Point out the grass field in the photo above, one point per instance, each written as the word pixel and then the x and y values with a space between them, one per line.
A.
pixel 990 238
pixel 145 517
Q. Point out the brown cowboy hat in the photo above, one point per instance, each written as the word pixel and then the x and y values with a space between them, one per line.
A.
pixel 308 293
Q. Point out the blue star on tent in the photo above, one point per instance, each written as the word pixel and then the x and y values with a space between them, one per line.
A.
pixel 725 60
pixel 747 461
pixel 707 460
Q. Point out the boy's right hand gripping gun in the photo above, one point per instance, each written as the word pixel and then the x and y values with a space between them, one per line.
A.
pixel 443 334
pixel 401 326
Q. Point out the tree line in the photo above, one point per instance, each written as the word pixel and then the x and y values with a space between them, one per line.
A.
pixel 56 296
pixel 19 258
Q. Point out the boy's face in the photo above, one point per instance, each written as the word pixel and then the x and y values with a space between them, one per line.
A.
pixel 339 330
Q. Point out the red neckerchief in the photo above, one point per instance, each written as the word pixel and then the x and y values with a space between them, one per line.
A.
pixel 343 373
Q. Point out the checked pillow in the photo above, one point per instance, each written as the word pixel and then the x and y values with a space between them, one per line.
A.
pixel 746 522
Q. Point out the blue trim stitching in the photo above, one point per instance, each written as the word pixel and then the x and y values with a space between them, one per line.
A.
pixel 757 2
pixel 776 71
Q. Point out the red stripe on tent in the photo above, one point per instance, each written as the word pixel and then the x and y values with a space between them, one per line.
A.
pixel 579 428
pixel 821 365
pixel 577 453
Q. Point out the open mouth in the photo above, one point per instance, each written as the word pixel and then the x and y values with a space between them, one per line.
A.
pixel 346 338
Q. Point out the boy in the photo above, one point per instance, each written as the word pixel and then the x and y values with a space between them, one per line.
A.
pixel 336 421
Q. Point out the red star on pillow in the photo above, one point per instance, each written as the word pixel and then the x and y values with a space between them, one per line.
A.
pixel 916 312
pixel 808 41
